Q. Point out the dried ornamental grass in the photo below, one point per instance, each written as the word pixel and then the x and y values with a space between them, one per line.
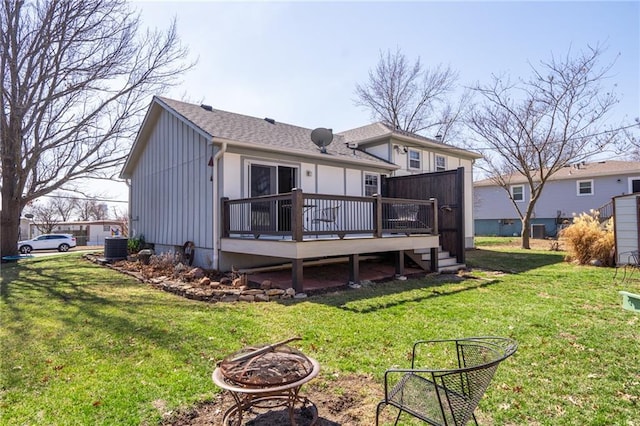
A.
pixel 588 240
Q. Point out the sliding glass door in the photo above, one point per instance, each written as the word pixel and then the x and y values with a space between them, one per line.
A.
pixel 268 180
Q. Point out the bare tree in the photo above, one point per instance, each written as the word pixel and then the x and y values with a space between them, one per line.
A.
pixel 629 143
pixel 45 216
pixel 535 127
pixel 92 210
pixel 76 77
pixel 64 206
pixel 410 97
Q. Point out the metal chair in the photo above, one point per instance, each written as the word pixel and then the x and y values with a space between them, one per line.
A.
pixel 326 215
pixel 633 263
pixel 405 216
pixel 449 394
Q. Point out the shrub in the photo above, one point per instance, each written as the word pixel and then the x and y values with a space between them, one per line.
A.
pixel 134 245
pixel 589 240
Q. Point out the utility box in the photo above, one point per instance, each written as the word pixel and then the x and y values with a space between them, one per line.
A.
pixel 538 231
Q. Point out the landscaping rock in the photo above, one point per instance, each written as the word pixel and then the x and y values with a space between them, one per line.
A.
pixel 246 298
pixel 206 281
pixel 266 285
pixel 252 292
pixel 144 256
pixel 195 273
pixel 261 298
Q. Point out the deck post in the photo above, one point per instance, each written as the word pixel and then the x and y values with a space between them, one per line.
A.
pixel 434 202
pixel 354 268
pixel 400 262
pixel 377 216
pixel 297 280
pixel 433 259
pixel 297 227
pixel 225 219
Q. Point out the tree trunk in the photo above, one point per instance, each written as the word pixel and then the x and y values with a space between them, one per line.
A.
pixel 10 213
pixel 526 224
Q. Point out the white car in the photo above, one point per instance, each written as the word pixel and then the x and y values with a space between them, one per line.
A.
pixel 60 242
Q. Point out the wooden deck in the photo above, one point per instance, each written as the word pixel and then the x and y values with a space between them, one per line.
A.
pixel 297 226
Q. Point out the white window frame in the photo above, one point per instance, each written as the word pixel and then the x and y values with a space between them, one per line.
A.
pixel 410 160
pixel 630 183
pixel 580 194
pixel 511 189
pixel 365 185
pixel 440 168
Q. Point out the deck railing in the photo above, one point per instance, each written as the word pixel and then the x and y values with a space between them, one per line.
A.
pixel 606 211
pixel 297 215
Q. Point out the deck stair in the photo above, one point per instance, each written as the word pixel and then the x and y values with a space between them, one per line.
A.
pixel 446 262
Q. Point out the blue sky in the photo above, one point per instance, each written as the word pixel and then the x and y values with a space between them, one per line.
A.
pixel 299 62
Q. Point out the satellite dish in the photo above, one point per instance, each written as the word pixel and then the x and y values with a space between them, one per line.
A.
pixel 322 138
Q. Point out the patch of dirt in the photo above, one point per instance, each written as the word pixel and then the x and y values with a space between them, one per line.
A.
pixel 340 401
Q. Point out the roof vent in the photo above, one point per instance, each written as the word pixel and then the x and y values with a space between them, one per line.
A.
pixel 206 107
pixel 270 120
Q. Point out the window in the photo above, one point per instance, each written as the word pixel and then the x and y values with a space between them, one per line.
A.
pixel 441 163
pixel 585 187
pixel 106 228
pixel 415 159
pixel 371 184
pixel 517 193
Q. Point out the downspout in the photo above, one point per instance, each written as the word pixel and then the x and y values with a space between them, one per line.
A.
pixel 216 204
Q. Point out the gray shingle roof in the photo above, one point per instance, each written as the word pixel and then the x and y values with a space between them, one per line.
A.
pixel 381 130
pixel 258 131
pixel 370 131
pixel 581 171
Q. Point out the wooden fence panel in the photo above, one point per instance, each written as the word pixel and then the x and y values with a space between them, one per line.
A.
pixel 448 188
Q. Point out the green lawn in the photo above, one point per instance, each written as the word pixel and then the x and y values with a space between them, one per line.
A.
pixel 82 344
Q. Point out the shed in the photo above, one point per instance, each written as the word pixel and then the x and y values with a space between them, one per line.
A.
pixel 626 215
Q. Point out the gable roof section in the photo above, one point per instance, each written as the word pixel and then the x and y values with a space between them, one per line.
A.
pixel 380 131
pixel 245 131
pixel 579 171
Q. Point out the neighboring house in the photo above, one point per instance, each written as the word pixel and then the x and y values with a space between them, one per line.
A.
pixel 626 219
pixel 249 192
pixel 89 233
pixel 572 190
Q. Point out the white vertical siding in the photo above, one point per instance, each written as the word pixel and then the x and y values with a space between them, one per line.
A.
pixel 171 191
pixel 330 180
pixel 308 183
pixel 234 178
pixel 626 227
pixel 354 186
pixel 469 230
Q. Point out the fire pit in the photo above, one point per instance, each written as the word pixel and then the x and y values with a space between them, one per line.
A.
pixel 268 376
